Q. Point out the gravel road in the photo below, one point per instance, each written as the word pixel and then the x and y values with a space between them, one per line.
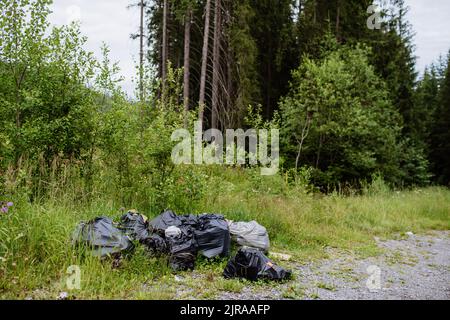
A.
pixel 417 267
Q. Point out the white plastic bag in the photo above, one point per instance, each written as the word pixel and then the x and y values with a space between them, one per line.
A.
pixel 172 232
pixel 250 234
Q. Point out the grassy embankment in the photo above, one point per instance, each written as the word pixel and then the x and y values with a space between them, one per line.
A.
pixel 35 249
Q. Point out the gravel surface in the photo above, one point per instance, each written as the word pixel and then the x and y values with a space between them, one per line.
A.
pixel 417 267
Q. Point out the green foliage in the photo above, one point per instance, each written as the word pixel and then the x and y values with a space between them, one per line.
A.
pixel 244 51
pixel 66 126
pixel 35 251
pixel 440 144
pixel 135 149
pixel 45 104
pixel 414 165
pixel 377 187
pixel 426 104
pixel 272 30
pixel 254 119
pixel 338 119
pixel 74 147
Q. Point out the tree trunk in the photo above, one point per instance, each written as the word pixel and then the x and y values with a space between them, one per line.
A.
pixel 187 48
pixel 338 13
pixel 229 95
pixel 204 62
pixel 269 79
pixel 319 150
pixel 141 55
pixel 305 133
pixel 300 7
pixel 315 12
pixel 164 48
pixel 216 65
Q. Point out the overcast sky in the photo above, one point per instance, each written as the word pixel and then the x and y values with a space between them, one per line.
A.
pixel 110 21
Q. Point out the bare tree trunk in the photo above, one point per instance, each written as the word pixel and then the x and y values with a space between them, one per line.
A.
pixel 141 54
pixel 315 12
pixel 229 95
pixel 319 150
pixel 338 13
pixel 164 48
pixel 187 48
pixel 305 133
pixel 300 8
pixel 269 81
pixel 204 62
pixel 216 65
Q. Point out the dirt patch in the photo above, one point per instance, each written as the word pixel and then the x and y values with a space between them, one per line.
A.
pixel 416 267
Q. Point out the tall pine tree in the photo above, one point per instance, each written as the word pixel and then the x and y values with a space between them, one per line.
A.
pixel 440 143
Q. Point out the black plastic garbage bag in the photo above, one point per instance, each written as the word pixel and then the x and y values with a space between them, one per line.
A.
pixel 189 220
pixel 213 236
pixel 252 264
pixel 102 237
pixel 170 219
pixel 182 250
pixel 163 221
pixel 135 226
pixel 156 245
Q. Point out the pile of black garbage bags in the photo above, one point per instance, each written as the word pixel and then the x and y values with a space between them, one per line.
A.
pixel 182 238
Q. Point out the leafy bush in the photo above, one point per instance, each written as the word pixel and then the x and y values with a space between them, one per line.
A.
pixel 337 119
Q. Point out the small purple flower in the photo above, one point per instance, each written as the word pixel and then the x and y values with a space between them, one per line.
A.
pixel 4 209
pixel 9 204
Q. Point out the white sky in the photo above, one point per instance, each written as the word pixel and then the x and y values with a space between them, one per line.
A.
pixel 110 21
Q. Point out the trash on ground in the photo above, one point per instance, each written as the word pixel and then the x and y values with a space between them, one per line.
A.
pixel 102 237
pixel 210 231
pixel 250 234
pixel 164 221
pixel 172 232
pixel 252 264
pixel 182 250
pixel 135 225
pixel 156 245
pixel 213 236
pixel 182 238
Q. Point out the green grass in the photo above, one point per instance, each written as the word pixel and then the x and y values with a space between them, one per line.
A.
pixel 326 286
pixel 35 246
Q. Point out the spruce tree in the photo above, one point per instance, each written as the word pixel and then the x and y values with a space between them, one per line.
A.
pixel 440 144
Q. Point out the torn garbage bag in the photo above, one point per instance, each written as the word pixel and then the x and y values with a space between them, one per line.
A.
pixel 213 236
pixel 135 226
pixel 102 237
pixel 252 264
pixel 250 234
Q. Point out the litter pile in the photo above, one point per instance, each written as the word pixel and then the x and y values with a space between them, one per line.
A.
pixel 182 238
pixel 103 237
